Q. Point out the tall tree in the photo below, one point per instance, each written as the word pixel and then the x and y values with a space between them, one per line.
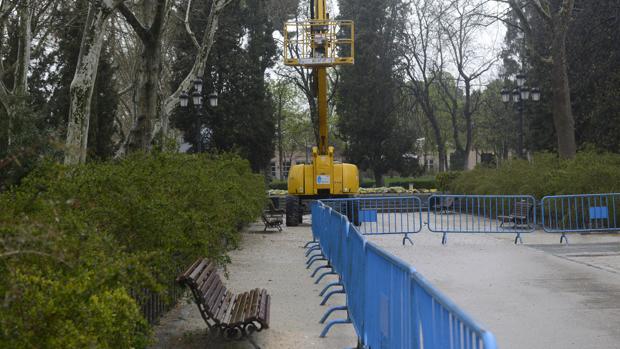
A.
pixel 551 50
pixel 422 65
pixel 368 96
pixel 84 79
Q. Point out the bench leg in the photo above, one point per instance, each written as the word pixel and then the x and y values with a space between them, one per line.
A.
pixel 330 311
pixel 564 237
pixel 319 268
pixel 323 275
pixel 327 296
pixel 444 239
pixel 331 284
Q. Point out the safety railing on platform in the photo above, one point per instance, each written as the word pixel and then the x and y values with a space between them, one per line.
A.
pixel 382 215
pixel 580 213
pixel 389 304
pixel 514 214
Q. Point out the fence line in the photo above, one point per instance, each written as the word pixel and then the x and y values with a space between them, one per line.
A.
pixel 580 213
pixel 514 214
pixel 382 215
pixel 389 303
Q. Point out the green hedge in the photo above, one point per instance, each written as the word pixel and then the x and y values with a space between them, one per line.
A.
pixel 76 240
pixel 417 182
pixel 279 185
pixel 588 172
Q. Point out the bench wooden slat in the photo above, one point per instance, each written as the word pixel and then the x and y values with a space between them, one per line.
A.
pixel 222 312
pixel 188 271
pixel 205 273
pixel 198 269
pixel 209 287
pixel 221 308
pixel 216 296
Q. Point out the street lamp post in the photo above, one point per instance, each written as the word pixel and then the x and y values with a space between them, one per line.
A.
pixel 519 95
pixel 197 102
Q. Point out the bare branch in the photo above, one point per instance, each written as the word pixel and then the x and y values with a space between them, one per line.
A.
pixel 188 29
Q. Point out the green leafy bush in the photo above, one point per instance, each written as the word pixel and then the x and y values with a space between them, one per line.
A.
pixel 445 180
pixel 77 240
pixel 278 185
pixel 588 172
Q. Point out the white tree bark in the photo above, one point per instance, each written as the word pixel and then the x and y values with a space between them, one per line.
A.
pixel 13 100
pixel 201 57
pixel 81 90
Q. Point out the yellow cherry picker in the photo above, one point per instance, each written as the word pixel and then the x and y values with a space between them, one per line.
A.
pixel 318 44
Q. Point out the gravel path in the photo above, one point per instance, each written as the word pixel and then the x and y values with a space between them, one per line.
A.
pixel 275 261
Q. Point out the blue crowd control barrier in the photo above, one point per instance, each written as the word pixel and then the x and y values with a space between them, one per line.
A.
pixel 389 304
pixel 439 323
pixel 515 214
pixel 580 213
pixel 383 215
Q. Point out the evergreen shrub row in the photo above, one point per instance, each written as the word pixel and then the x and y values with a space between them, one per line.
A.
pixel 546 174
pixel 75 241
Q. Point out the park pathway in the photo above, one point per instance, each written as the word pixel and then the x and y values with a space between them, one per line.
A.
pixel 536 295
pixel 275 261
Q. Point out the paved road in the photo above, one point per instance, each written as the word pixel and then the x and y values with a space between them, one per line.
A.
pixel 537 295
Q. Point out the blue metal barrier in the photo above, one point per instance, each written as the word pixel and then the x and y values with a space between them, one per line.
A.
pixel 580 213
pixel 389 304
pixel 515 214
pixel 382 215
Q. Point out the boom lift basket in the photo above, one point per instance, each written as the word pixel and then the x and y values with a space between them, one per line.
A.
pixel 318 43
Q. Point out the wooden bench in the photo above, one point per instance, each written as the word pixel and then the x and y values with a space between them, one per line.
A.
pixel 273 217
pixel 233 317
pixel 519 215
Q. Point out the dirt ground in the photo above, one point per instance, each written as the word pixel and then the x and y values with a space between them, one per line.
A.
pixel 275 261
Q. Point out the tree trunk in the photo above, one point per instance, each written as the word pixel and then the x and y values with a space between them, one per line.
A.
pixel 280 147
pixel 378 177
pixel 81 89
pixel 467 114
pixel 562 112
pixel 147 96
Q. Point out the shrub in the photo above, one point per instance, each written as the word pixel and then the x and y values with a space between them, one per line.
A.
pixel 77 240
pixel 588 172
pixel 445 180
pixel 278 185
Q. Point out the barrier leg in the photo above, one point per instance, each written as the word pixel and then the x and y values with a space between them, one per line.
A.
pixel 518 238
pixel 313 248
pixel 330 311
pixel 408 239
pixel 323 275
pixel 332 323
pixel 315 260
pixel 444 239
pixel 327 296
pixel 314 256
pixel 326 266
pixel 313 242
pixel 331 284
pixel 564 237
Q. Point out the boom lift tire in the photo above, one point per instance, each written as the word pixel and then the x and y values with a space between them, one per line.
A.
pixel 293 211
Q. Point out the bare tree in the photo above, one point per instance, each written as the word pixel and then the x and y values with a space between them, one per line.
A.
pixel 461 24
pixel 421 64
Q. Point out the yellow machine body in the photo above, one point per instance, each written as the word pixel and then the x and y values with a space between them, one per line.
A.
pixel 318 44
pixel 323 177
